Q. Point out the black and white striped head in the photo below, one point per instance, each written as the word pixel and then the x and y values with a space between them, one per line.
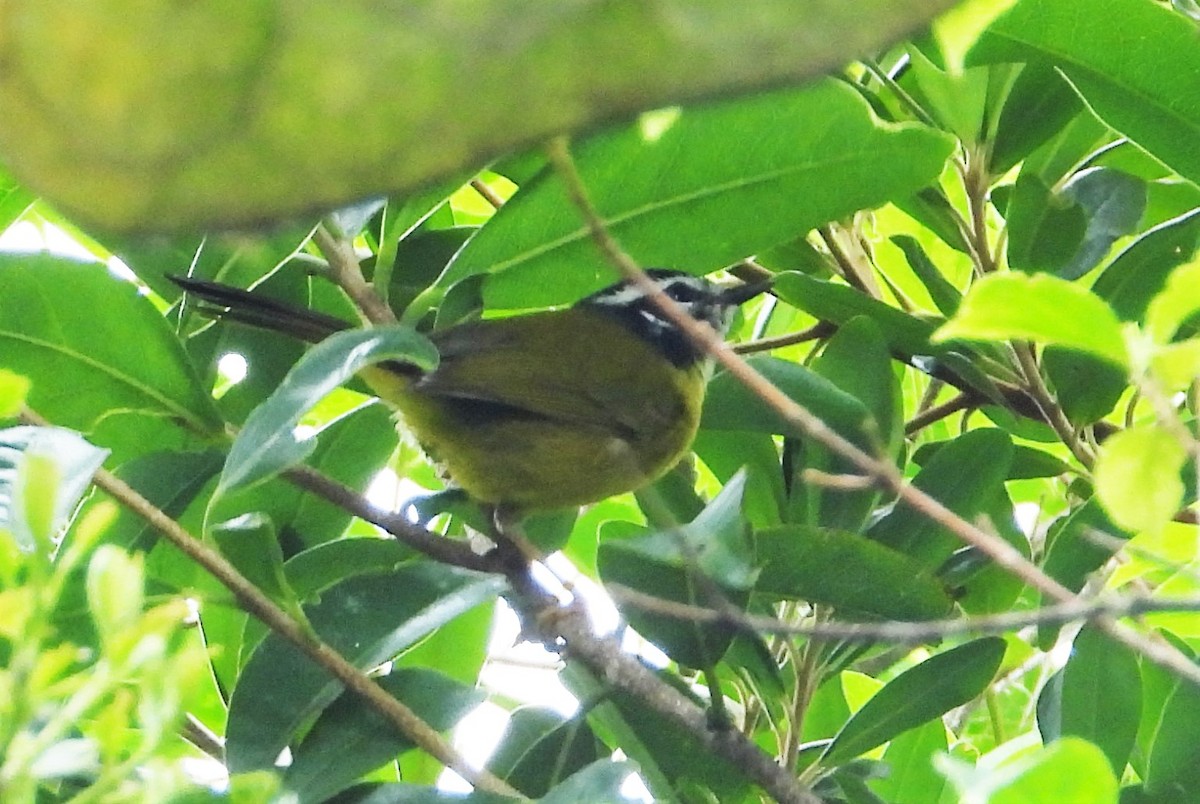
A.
pixel 699 298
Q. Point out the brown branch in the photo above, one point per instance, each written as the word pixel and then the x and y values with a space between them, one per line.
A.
pixel 488 193
pixel 567 629
pixel 938 412
pixel 347 273
pixel 447 551
pixel 821 329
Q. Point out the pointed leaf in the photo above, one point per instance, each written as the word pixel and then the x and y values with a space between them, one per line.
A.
pixel 965 475
pixel 68 325
pixel 267 443
pixel 1039 308
pixel 1142 89
pixel 1137 477
pixel 1102 696
pixel 350 738
pixel 692 195
pixel 368 619
pixel 852 573
pixel 927 691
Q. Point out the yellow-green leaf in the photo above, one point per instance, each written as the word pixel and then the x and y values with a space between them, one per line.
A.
pixel 1039 308
pixel 1137 477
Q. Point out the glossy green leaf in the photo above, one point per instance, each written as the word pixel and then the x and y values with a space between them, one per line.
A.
pixel 68 325
pixel 1072 552
pixel 539 747
pixel 1068 770
pixel 368 619
pixel 1113 202
pixel 1045 229
pixel 856 360
pixel 351 738
pixel 965 476
pixel 729 405
pixel 918 695
pixel 268 443
pixel 1137 477
pixel 709 556
pixel 668 756
pixel 1101 696
pixel 827 301
pixel 599 782
pixel 944 294
pixel 1039 308
pixel 1087 387
pixel 1140 272
pixel 852 573
pixel 1168 702
pixel 1175 303
pixel 1141 87
pixel 690 195
pixel 911 775
pixel 250 543
pixel 1039 104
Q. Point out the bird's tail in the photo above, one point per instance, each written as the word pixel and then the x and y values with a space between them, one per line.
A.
pixel 234 304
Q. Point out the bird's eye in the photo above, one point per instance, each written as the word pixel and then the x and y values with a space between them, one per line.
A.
pixel 682 292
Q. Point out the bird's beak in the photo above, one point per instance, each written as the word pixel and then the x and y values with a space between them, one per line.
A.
pixel 740 294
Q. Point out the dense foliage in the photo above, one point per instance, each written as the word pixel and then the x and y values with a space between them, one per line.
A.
pixel 979 583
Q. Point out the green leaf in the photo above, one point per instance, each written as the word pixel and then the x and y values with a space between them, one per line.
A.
pixel 909 757
pixel 1140 272
pixel 368 619
pixel 920 694
pixel 1039 308
pixel 1175 303
pixel 694 197
pixel 729 405
pixel 1039 105
pixel 1087 387
pixel 1172 755
pixel 267 443
pixel 852 573
pixel 1137 477
pixel 1142 88
pixel 162 94
pixel 68 325
pixel 599 782
pixel 686 565
pixel 250 543
pixel 1067 770
pixel 351 738
pixel 965 475
pixel 944 294
pixel 1045 229
pixel 539 746
pixel 1102 696
pixel 1113 202
pixel 44 472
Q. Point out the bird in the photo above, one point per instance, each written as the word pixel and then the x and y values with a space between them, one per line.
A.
pixel 542 411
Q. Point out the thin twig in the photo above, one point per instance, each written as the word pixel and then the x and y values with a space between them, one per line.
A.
pixel 1052 411
pixel 910 633
pixel 821 329
pixel 487 192
pixel 347 273
pixel 447 551
pixel 938 412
